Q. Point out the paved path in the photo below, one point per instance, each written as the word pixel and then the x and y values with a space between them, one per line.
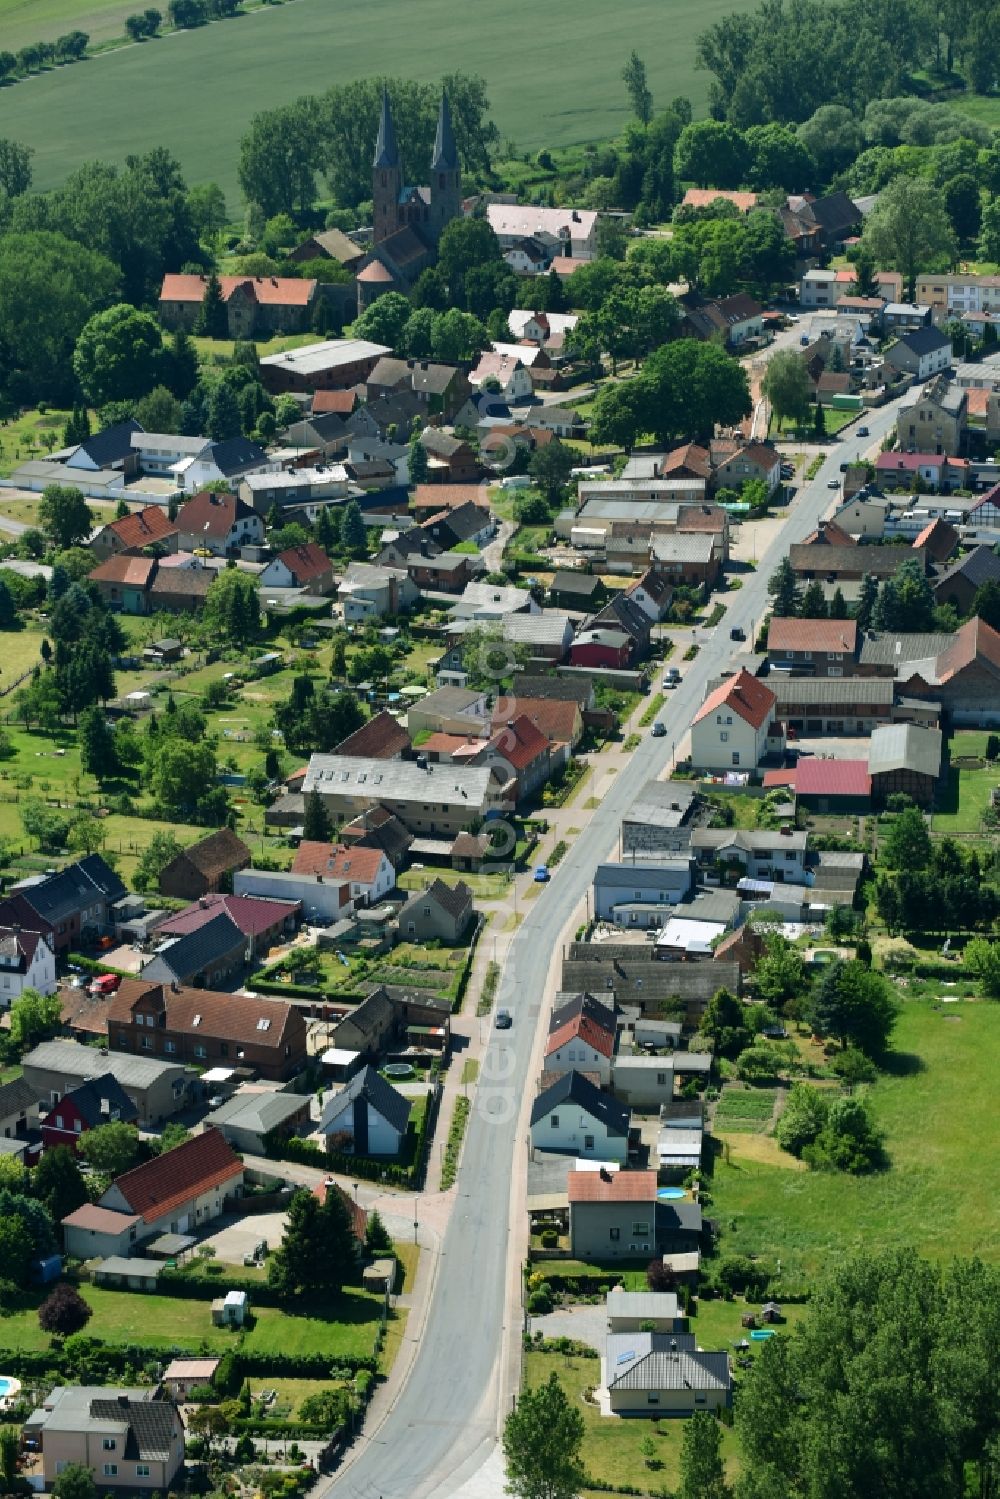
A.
pixel 440 1436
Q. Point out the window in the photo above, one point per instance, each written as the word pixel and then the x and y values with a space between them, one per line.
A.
pixel 640 1230
pixel 170 1047
pixel 147 1043
pixel 588 1142
pixel 736 758
pixel 109 1444
pixel 807 655
pixel 200 1051
pixel 724 736
pixel 553 1121
pixel 110 1470
pixel 142 1470
pixel 59 1122
pixel 652 1397
pixel 615 1235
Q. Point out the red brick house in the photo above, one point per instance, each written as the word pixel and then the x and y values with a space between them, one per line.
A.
pixel 254 304
pixel 132 533
pixel 203 1028
pixel 202 868
pixel 599 647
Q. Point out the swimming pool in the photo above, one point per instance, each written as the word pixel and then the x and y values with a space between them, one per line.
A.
pixel 8 1388
pixel 761 1334
pixel 671 1194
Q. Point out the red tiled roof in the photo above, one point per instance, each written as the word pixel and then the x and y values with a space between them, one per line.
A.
pixel 306 562
pixel 170 1180
pixel 701 197
pixel 939 539
pixel 207 1012
pixel 98 1220
pixel 832 778
pixel 564 265
pixel 356 1213
pixel 143 526
pixel 745 695
pixel 975 639
pixel 125 569
pixel 520 742
pixel 836 635
pixel 451 744
pixel 689 456
pixel 773 778
pixel 273 291
pixel 618 1186
pixel 358 864
pixel 557 718
pixel 341 402
pixel 375 272
pixel 582 1027
pixel 911 462
pixel 445 497
pixel 832 534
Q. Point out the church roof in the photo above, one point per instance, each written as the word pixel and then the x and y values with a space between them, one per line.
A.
pixel 386 150
pixel 445 157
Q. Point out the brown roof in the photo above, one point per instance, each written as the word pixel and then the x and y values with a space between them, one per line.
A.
pixel 98 1220
pixel 701 197
pixel 583 1027
pixel 342 402
pixel 210 513
pixel 381 738
pixel 745 695
pixel 271 291
pixel 126 568
pixel 710 519
pixel 183 582
pixel 143 526
pixel 79 1012
pixel 217 854
pixel 174 1178
pixel 306 562
pixel 939 539
pixel 375 272
pixel 828 533
pixel 838 635
pixel 556 718
pixel 519 741
pixel 616 1186
pixel 359 864
pixel 444 497
pixel 356 1213
pixel 206 1012
pixel 690 456
pixel 976 640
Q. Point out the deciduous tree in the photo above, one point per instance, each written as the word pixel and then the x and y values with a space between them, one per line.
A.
pixel 543 1442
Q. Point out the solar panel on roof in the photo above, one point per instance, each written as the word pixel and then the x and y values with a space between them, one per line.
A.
pixel 626 1358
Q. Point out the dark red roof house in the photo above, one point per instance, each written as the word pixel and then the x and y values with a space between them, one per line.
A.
pixel 100 1100
pixel 601 647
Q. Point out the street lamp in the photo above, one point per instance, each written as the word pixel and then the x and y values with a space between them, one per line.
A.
pixel 355 1186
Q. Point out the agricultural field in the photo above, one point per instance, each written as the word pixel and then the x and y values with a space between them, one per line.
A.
pixel 930 1105
pixel 126 100
pixel 744 1110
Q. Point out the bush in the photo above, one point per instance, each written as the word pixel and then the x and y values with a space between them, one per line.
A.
pixel 550 1238
pixel 64 1312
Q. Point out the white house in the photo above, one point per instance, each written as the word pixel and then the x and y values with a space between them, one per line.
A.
pixel 581 1038
pixel 227 460
pixel 367 592
pixel 367 871
pixel 26 962
pixel 772 854
pixel 818 288
pixel 733 725
pixel 160 452
pixel 217 523
pixel 922 352
pixel 368 1117
pixel 514 379
pixel 322 900
pixel 540 327
pixel 576 1118
pixel 575 228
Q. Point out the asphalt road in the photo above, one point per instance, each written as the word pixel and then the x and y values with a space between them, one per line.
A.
pixel 444 1423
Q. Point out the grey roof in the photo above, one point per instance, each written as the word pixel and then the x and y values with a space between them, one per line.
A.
pixel 236 454
pixel 835 691
pixel 573 1087
pixel 693 1061
pixel 386 150
pixel 666 874
pixel 923 340
pixel 635 977
pixel 259 1112
pixel 677 1217
pixel 102 1099
pixel 655 1361
pixel 537 629
pixel 584 584
pixel 751 840
pixel 886 648
pixel 76 886
pixel 17 1097
pixel 708 905
pixel 187 956
pixel 381 1095
pixel 622 1303
pixel 613 638
pixel 600 1007
pixel 905 746
pixel 71 1059
pixel 564 688
pixel 662 804
pixel 455 899
pixel 445 158
pixel 450 700
pixel 397 780
pixel 110 446
pixel 683 546
pixel 371 1017
pixel 981 565
pixel 152 1425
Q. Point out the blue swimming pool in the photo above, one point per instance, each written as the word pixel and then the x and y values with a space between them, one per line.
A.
pixel 761 1334
pixel 671 1194
pixel 6 1386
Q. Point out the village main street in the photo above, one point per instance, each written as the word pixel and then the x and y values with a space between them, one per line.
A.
pixel 439 1436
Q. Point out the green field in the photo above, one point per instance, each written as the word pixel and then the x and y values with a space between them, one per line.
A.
pixel 563 89
pixel 934 1108
pixel 352 1334
pixel 127 1317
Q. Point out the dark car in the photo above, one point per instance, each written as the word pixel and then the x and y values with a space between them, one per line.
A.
pixel 736 633
pixel 504 1020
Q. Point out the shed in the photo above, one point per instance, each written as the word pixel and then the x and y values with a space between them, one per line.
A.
pixel 127 1274
pixel 380 1275
pixel 230 1310
pixel 638 1311
pixel 182 1374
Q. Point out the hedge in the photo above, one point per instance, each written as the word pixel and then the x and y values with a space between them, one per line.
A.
pixel 299 1365
pixel 196 1287
pixel 249 1426
pixel 305 1153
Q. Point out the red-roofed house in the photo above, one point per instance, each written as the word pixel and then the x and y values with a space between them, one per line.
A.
pixel 839 787
pixel 133 532
pixel 305 566
pixel 381 738
pixel 508 371
pixel 123 580
pixel 218 523
pixel 756 460
pixel 254 304
pixel 520 752
pixel 265 922
pixel 340 402
pixel 368 871
pixel 732 727
pixel 813 647
pixel 583 1043
pixel 177 1191
pixel 938 540
pixel 898 470
pixel 208 1028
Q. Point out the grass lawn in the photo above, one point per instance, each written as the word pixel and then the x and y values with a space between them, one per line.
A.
pixel 125 101
pixel 27 436
pixel 835 422
pixel 744 1110
pixel 20 653
pixel 409 1257
pixel 485 886
pixel 349 1330
pixel 127 1317
pixel 933 1108
pixel 290 1392
pixel 612 1446
pixel 395 1332
pixel 964 800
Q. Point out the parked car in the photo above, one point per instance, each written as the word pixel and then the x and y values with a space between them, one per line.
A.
pixel 833 484
pixel 504 1020
pixel 106 984
pixel 737 633
pixel 659 730
pixel 541 875
pixel 863 432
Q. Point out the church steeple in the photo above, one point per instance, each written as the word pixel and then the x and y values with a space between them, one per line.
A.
pixel 445 157
pixel 386 150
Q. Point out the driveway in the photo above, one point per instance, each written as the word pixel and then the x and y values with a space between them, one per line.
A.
pixel 585 1324
pixel 238 1236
